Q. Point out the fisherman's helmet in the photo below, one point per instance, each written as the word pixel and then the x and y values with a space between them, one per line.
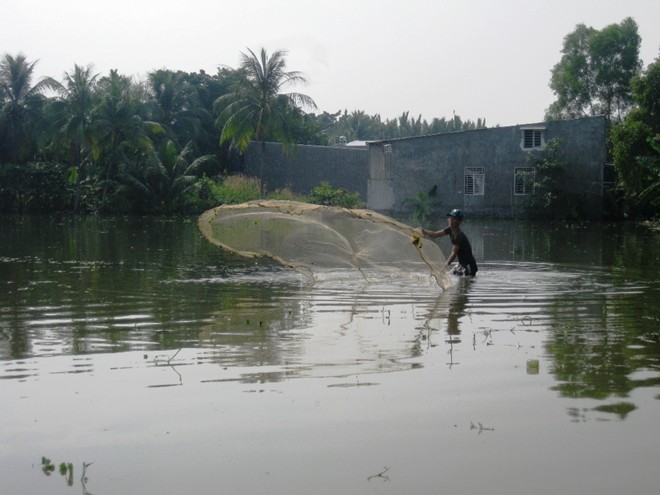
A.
pixel 456 213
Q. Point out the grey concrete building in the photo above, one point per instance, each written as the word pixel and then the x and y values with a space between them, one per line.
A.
pixel 487 171
pixel 484 171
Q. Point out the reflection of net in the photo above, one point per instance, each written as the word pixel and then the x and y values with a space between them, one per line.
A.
pixel 313 238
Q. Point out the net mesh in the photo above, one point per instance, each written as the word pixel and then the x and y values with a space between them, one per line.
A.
pixel 315 239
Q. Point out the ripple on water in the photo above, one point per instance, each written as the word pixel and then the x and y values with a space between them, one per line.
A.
pixel 342 322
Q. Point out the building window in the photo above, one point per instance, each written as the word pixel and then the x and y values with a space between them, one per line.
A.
pixel 532 139
pixel 523 181
pixel 474 181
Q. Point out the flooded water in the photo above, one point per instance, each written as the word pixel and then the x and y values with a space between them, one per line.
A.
pixel 136 358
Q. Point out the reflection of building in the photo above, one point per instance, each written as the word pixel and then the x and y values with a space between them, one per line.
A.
pixel 485 171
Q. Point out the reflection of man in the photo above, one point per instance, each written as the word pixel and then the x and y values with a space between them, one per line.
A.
pixel 456 312
pixel 461 247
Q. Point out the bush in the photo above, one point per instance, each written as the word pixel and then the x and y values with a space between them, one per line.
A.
pixel 287 195
pixel 325 194
pixel 208 193
pixel 551 199
pixel 237 189
pixel 38 187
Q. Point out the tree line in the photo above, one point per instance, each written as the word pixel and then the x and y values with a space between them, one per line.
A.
pixel 600 73
pixel 110 144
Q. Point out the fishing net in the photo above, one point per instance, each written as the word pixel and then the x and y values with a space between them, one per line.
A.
pixel 317 240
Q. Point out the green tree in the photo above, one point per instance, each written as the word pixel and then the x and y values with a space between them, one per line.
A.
pixel 176 104
pixel 256 110
pixel 21 106
pixel 359 126
pixel 204 90
pixel 74 109
pixel 118 131
pixel 635 144
pixel 550 197
pixel 411 127
pixel 161 182
pixel 595 72
pixel 33 187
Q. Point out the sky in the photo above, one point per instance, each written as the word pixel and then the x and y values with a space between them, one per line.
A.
pixel 487 59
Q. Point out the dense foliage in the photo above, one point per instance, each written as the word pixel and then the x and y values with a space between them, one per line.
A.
pixel 172 143
pixel 600 73
pixel 110 144
pixel 636 146
pixel 552 197
pixel 325 194
pixel 594 74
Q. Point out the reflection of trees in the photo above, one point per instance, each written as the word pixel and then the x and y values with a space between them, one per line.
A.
pixel 599 342
pixel 87 284
pixel 254 325
pixel 588 364
pixel 604 340
pixel 118 284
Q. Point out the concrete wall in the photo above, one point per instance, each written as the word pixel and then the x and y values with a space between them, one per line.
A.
pixel 390 171
pixel 401 168
pixel 305 167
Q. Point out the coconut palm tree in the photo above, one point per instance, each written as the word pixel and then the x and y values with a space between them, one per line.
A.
pixel 257 110
pixel 160 181
pixel 74 108
pixel 20 107
pixel 118 131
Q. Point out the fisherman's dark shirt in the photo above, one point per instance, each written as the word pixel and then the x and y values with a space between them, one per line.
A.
pixel 465 256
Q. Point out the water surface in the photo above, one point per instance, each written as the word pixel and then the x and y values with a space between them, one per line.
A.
pixel 172 367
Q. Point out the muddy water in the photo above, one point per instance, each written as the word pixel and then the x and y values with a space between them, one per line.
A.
pixel 135 351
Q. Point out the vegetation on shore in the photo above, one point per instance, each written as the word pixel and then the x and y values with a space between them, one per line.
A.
pixel 170 144
pixel 173 144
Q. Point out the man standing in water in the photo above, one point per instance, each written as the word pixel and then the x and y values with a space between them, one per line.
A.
pixel 460 248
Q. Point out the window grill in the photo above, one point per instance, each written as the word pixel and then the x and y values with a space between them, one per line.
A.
pixel 532 138
pixel 523 180
pixel 474 181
